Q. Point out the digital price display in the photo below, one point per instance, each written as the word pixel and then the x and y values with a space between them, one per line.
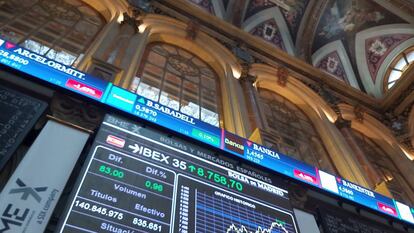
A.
pixel 142 180
pixel 71 79
pixel 354 192
pixel 51 71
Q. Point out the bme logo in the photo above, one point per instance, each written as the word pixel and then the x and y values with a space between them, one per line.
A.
pixel 15 215
pixel 27 191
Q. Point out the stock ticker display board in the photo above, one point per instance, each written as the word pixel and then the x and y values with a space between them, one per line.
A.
pixel 336 220
pixel 138 179
pixel 59 75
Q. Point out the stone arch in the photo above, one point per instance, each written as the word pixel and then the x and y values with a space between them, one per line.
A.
pixel 112 11
pixel 337 48
pixel 172 31
pixel 157 28
pixel 318 111
pixel 214 7
pixel 109 9
pixel 383 137
pixel 410 155
pixel 294 90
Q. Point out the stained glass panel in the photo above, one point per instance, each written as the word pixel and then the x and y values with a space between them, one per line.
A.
pixel 385 167
pixel 61 30
pixel 188 83
pixel 398 67
pixel 291 132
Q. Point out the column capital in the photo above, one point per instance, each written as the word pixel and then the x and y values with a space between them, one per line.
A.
pixel 76 112
pixel 342 123
pixel 248 78
pixel 241 51
pixel 131 21
pixel 245 76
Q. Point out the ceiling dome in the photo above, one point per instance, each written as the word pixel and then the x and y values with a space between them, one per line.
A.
pixel 352 40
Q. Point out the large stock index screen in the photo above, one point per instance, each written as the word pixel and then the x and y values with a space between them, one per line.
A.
pixel 139 179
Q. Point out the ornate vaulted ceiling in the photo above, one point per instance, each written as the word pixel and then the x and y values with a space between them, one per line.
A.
pixel 352 40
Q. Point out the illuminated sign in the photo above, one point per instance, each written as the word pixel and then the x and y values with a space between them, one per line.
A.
pixel 404 211
pixel 233 143
pixel 121 99
pixel 45 69
pixel 328 182
pixel 158 183
pixel 51 71
pixel 45 61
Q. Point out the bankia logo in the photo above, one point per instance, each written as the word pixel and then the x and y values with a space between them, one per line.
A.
pixel 233 143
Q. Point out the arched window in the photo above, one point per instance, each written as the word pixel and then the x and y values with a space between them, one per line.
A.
pixel 62 30
pixel 398 66
pixel 180 80
pixel 291 132
pixel 385 167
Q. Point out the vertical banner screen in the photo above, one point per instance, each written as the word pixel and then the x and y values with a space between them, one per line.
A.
pixel 19 113
pixel 32 192
pixel 139 179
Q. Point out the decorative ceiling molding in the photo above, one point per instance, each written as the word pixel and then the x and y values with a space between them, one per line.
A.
pixel 402 8
pixel 378 48
pixel 374 85
pixel 235 11
pixel 339 48
pixel 265 53
pixel 211 6
pixel 219 9
pixel 269 14
pixel 307 29
pixel 332 64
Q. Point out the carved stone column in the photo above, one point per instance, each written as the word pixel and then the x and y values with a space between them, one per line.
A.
pixel 252 101
pixel 96 48
pixel 127 29
pixel 372 176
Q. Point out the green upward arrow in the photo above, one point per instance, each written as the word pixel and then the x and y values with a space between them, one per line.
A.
pixel 141 100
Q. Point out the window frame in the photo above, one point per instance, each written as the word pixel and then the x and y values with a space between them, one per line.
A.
pixel 400 57
pixel 218 92
pixel 309 122
pixel 59 44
